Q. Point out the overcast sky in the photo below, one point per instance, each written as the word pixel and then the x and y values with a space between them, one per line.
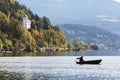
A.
pixel 92 12
pixel 67 11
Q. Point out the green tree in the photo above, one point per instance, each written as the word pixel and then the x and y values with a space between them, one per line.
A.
pixel 29 48
pixel 14 41
pixel 45 44
pixel 3 22
pixel 1 44
pixel 94 47
pixel 46 23
pixel 87 46
pixel 3 37
pixel 69 46
pixel 76 44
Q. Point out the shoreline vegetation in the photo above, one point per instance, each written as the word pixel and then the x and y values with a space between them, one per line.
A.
pixel 42 36
pixel 74 46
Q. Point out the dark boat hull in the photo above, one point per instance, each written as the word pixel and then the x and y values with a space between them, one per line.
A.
pixel 90 62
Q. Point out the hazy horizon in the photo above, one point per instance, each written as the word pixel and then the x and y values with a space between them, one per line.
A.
pixel 101 13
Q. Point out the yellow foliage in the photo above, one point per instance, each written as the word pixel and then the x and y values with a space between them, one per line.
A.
pixel 3 17
pixel 12 1
pixel 38 35
pixel 8 15
pixel 1 44
pixel 20 13
pixel 26 36
pixel 41 34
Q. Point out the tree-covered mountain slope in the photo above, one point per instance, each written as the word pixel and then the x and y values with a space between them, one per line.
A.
pixel 13 35
pixel 91 34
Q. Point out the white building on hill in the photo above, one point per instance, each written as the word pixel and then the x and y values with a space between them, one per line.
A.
pixel 26 22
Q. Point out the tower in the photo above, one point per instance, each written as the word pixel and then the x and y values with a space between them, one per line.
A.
pixel 26 22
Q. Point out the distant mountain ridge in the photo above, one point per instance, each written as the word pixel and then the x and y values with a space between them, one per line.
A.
pixel 91 34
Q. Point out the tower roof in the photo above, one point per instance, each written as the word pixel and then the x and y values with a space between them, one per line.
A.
pixel 25 16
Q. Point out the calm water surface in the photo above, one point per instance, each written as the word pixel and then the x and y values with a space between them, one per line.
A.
pixel 59 68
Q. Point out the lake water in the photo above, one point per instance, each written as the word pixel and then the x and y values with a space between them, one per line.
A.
pixel 60 67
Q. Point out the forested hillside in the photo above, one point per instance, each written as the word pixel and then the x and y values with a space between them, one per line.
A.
pixel 91 34
pixel 14 36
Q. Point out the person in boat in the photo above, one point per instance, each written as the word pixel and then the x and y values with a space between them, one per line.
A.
pixel 81 59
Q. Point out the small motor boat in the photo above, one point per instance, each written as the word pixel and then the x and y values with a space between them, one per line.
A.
pixel 90 62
